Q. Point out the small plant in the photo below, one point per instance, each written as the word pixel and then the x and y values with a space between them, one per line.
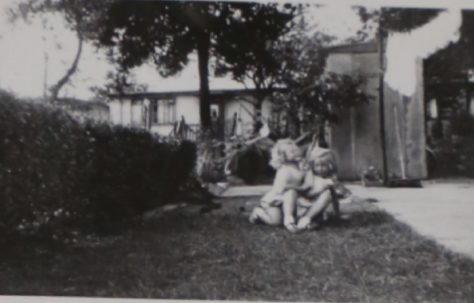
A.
pixel 371 177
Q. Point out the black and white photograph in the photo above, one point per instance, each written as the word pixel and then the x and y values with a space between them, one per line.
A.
pixel 289 151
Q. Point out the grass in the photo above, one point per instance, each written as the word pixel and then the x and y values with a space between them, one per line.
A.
pixel 370 258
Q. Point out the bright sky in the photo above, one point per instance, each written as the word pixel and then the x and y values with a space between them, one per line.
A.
pixel 35 53
pixel 24 67
pixel 420 43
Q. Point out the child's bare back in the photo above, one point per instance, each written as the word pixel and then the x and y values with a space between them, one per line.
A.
pixel 287 177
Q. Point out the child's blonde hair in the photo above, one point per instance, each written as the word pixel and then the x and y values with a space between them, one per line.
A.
pixel 325 159
pixel 280 150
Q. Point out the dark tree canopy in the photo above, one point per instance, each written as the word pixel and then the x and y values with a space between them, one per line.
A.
pixel 454 60
pixel 397 19
pixel 311 97
pixel 167 32
pixel 253 51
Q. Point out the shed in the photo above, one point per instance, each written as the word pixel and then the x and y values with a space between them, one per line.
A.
pixel 387 133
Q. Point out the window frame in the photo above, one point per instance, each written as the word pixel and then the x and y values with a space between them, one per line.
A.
pixel 158 117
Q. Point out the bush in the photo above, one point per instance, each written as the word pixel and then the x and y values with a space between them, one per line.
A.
pixel 463 124
pixel 59 176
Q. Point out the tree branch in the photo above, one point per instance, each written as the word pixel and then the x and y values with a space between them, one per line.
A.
pixel 55 89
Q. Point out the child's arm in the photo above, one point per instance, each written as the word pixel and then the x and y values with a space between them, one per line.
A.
pixel 318 186
pixel 281 183
pixel 305 186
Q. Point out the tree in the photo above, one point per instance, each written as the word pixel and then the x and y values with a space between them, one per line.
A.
pixel 77 19
pixel 456 58
pixel 310 97
pixel 167 32
pixel 257 61
pixel 445 63
pixel 451 63
pixel 395 19
pixel 118 82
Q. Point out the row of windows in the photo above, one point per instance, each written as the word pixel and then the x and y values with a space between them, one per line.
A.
pixel 163 111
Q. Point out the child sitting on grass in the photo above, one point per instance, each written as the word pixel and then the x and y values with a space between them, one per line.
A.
pixel 314 196
pixel 279 204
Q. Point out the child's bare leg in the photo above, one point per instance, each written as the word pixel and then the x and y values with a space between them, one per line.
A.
pixel 289 209
pixel 318 206
pixel 270 215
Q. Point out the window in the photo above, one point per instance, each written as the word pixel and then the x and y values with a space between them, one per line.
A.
pixel 163 111
pixel 154 112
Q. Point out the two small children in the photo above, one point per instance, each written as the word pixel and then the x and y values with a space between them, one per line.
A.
pixel 302 190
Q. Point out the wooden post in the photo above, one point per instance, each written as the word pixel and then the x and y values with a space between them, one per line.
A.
pixel 381 50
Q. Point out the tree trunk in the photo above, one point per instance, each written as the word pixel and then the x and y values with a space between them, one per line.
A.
pixel 203 45
pixel 55 89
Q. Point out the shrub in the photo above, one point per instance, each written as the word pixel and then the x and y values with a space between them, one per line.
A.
pixel 58 175
pixel 463 124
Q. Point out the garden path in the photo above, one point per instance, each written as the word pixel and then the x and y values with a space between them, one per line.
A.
pixel 441 210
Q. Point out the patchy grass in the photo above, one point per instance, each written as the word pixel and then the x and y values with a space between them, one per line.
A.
pixel 371 257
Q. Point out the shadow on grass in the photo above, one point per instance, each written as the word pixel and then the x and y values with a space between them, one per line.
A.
pixel 371 257
pixel 358 220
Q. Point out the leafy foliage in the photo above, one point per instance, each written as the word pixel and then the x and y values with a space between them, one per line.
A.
pixel 167 32
pixel 118 82
pixel 456 60
pixel 309 96
pixel 450 62
pixel 59 176
pixel 396 19
pixel 256 61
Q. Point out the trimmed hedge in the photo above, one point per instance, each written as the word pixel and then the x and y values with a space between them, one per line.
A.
pixel 58 176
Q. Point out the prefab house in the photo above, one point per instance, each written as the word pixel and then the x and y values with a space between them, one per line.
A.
pixel 159 112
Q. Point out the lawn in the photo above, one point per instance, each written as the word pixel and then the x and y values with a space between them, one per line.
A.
pixel 219 255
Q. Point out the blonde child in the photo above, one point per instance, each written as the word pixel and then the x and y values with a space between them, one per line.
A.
pixel 279 204
pixel 314 196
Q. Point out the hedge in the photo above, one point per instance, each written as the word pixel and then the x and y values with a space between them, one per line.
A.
pixel 58 176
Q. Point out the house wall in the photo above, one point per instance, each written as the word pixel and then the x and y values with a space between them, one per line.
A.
pixel 127 112
pixel 121 112
pixel 132 113
pixel 115 108
pixel 186 106
pixel 356 139
pixel 244 109
pixel 137 114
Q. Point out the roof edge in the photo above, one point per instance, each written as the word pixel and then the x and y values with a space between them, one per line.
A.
pixel 354 48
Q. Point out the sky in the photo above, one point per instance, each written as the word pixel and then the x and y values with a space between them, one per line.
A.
pixel 418 44
pixel 36 53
